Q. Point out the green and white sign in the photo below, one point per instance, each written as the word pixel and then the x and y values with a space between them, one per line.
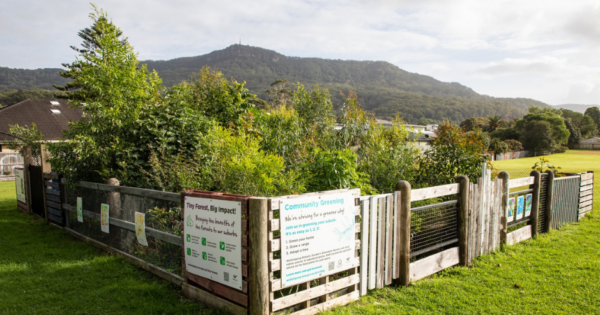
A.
pixel 79 210
pixel 20 185
pixel 213 240
pixel 317 237
pixel 104 218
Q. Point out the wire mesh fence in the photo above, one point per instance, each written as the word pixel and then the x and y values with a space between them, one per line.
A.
pixel 433 227
pixel 160 215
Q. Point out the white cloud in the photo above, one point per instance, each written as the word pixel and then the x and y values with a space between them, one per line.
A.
pixel 547 46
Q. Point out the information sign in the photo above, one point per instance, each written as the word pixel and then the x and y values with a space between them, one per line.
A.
pixel 79 210
pixel 528 203
pixel 213 239
pixel 520 207
pixel 20 185
pixel 510 212
pixel 317 237
pixel 104 218
pixel 140 228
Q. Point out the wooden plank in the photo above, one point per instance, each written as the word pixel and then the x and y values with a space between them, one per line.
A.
pixel 586 188
pixel 218 289
pixel 586 198
pixel 585 209
pixel 55 211
pixel 50 175
pixel 372 242
pixel 381 243
pixel 339 301
pixel 142 192
pixel 53 204
pixel 396 256
pixel 389 230
pixel 314 292
pixel 276 283
pixel 52 192
pixel 54 185
pixel 53 198
pixel 587 176
pixel 433 264
pixel 433 192
pixel 518 235
pixel 586 193
pixel 364 250
pixel 211 300
pixel 518 182
pixel 585 204
pixel 479 217
pixel 586 182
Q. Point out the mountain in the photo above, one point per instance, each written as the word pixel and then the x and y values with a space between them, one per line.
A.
pixel 382 87
pixel 575 107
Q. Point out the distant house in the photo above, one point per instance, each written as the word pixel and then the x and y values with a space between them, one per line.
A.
pixel 50 117
pixel 591 140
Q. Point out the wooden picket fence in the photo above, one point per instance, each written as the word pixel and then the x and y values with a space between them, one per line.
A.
pixel 399 237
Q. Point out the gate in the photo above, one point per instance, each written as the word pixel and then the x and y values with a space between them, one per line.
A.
pixel 565 200
pixel 36 184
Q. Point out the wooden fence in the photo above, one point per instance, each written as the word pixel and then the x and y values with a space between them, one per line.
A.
pixel 511 155
pixel 399 237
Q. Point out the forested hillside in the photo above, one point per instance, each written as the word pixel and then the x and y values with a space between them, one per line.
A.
pixel 382 87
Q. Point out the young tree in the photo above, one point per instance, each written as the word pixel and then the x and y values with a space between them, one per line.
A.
pixel 115 91
pixel 27 136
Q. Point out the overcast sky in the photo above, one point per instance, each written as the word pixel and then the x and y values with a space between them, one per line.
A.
pixel 546 50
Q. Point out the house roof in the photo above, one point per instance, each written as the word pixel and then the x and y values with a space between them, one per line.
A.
pixel 591 140
pixel 50 119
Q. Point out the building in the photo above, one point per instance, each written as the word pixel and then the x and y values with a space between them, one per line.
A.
pixel 50 118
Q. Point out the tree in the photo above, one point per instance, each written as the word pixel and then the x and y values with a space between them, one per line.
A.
pixel 27 136
pixel 594 113
pixel 279 94
pixel 116 91
pixel 472 123
pixel 493 122
pixel 551 124
pixel 575 134
pixel 90 45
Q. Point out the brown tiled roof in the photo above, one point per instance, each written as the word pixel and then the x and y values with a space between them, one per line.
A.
pixel 38 111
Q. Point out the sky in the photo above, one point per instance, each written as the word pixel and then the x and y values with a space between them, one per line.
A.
pixel 546 50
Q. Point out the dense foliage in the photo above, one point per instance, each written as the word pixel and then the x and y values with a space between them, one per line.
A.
pixel 207 134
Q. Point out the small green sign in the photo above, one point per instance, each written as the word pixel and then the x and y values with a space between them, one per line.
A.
pixel 189 251
pixel 204 241
pixel 188 238
pixel 222 246
pixel 189 222
pixel 222 260
pixel 204 256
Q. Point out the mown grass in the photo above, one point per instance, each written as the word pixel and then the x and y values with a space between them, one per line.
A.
pixel 557 273
pixel 44 270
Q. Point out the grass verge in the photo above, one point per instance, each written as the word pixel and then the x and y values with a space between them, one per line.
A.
pixel 557 273
pixel 44 270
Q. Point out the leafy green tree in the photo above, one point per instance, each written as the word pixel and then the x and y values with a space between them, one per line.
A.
pixel 118 92
pixel 336 170
pixel 575 134
pixel 537 140
pixel 27 136
pixel 473 122
pixel 594 113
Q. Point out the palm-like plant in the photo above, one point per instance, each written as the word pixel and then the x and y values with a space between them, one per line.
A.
pixel 494 122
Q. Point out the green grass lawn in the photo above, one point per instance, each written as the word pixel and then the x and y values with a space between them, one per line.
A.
pixel 558 273
pixel 44 270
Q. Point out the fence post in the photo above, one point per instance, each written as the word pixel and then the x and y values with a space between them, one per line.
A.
pixel 404 237
pixel 549 198
pixel 463 219
pixel 114 210
pixel 505 192
pixel 258 270
pixel 27 159
pixel 46 168
pixel 535 203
